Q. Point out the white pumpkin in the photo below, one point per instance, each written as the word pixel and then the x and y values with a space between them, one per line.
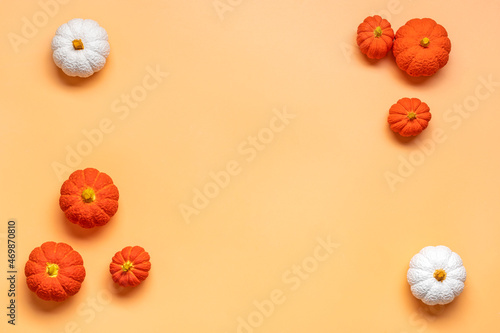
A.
pixel 80 47
pixel 436 275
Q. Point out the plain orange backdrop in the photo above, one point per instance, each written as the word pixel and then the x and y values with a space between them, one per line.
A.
pixel 251 253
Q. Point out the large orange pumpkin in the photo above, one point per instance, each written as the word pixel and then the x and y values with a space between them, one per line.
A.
pixel 89 198
pixel 54 271
pixel 409 116
pixel 421 47
pixel 375 37
pixel 130 266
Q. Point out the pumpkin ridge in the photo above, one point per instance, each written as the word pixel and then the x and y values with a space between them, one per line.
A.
pixel 114 267
pixel 430 270
pixel 365 39
pixel 39 262
pixel 426 291
pixel 69 277
pixel 67 254
pixel 146 264
pixel 60 284
pixel 422 122
pixel 102 210
pixel 76 185
pixel 386 39
pixel 422 108
pixel 411 27
pixel 38 286
pixel 82 176
pixel 118 258
pixel 437 32
pixel 418 51
pixel 64 287
pixel 107 180
pixel 410 52
pixel 413 61
pixel 58 245
pixel 415 103
pixel 95 178
pixel 43 250
pixel 138 269
pixel 67 196
pixel 408 129
pixel 71 179
pixel 86 56
pixel 102 188
pixel 80 23
pixel 71 35
pixel 127 257
pixel 142 257
pixel 453 270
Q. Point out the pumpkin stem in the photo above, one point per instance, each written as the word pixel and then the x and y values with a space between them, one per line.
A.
pixel 77 44
pixel 127 266
pixel 425 42
pixel 88 195
pixel 378 31
pixel 411 115
pixel 440 275
pixel 52 269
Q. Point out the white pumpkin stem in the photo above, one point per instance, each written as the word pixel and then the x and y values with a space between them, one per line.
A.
pixel 78 44
pixel 440 275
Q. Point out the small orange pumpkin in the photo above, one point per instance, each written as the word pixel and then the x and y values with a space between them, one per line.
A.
pixel 421 47
pixel 409 116
pixel 130 266
pixel 375 37
pixel 54 271
pixel 89 198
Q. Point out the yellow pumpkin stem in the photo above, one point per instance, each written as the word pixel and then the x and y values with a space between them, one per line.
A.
pixel 88 195
pixel 378 31
pixel 127 266
pixel 440 275
pixel 77 44
pixel 425 42
pixel 412 115
pixel 52 269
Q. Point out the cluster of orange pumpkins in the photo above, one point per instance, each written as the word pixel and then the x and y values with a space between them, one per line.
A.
pixel 420 47
pixel 55 271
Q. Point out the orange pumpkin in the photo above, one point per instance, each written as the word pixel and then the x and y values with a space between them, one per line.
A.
pixel 375 37
pixel 130 266
pixel 421 47
pixel 409 116
pixel 89 198
pixel 54 271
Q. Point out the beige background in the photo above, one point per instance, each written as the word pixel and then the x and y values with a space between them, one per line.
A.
pixel 320 177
